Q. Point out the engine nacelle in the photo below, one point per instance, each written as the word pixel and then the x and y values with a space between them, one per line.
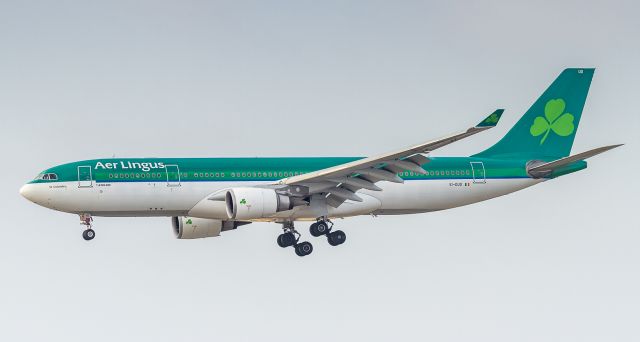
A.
pixel 196 228
pixel 255 203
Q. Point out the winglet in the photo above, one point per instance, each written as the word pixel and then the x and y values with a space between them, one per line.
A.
pixel 491 120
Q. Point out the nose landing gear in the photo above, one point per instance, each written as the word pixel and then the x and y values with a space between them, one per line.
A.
pixel 89 233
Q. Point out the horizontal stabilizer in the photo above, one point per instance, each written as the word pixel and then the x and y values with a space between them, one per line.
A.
pixel 541 170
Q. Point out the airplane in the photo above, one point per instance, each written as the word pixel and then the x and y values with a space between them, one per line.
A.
pixel 207 196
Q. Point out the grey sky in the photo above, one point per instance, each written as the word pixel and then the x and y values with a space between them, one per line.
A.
pixel 81 80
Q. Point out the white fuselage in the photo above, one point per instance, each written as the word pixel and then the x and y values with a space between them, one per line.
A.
pixel 162 199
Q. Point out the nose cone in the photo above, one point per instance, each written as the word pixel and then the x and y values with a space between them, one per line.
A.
pixel 27 191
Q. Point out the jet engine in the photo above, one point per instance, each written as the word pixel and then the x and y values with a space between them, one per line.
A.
pixel 255 203
pixel 195 228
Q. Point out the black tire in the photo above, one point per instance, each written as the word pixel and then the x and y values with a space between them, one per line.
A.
pixel 336 238
pixel 313 229
pixel 304 248
pixel 88 234
pixel 286 240
pixel 322 228
pixel 280 241
pixel 318 228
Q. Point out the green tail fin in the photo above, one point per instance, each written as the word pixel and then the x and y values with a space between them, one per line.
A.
pixel 548 128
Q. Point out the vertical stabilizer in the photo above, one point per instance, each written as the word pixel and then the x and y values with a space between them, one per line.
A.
pixel 549 127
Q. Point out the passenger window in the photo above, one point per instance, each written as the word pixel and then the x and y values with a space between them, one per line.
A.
pixel 217 174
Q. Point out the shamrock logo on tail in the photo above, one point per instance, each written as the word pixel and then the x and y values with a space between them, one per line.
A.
pixel 554 120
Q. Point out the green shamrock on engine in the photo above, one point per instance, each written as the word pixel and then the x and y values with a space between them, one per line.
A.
pixel 554 120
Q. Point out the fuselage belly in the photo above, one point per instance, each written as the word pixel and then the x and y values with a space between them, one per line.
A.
pixel 159 199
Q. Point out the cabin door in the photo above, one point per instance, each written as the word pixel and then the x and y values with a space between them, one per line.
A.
pixel 173 175
pixel 477 168
pixel 85 178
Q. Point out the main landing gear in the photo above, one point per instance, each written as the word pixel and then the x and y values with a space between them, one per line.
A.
pixel 291 237
pixel 85 220
pixel 323 227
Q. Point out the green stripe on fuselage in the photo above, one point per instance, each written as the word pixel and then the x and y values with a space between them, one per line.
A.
pixel 266 169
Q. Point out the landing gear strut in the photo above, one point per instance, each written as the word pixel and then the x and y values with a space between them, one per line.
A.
pixel 324 226
pixel 291 237
pixel 85 220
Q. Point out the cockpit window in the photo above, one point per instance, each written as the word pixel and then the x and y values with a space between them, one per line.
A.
pixel 47 176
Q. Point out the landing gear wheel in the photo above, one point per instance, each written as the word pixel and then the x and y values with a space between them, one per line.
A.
pixel 304 248
pixel 336 238
pixel 286 239
pixel 319 228
pixel 88 234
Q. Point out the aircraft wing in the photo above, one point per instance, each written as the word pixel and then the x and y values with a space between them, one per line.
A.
pixel 342 182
